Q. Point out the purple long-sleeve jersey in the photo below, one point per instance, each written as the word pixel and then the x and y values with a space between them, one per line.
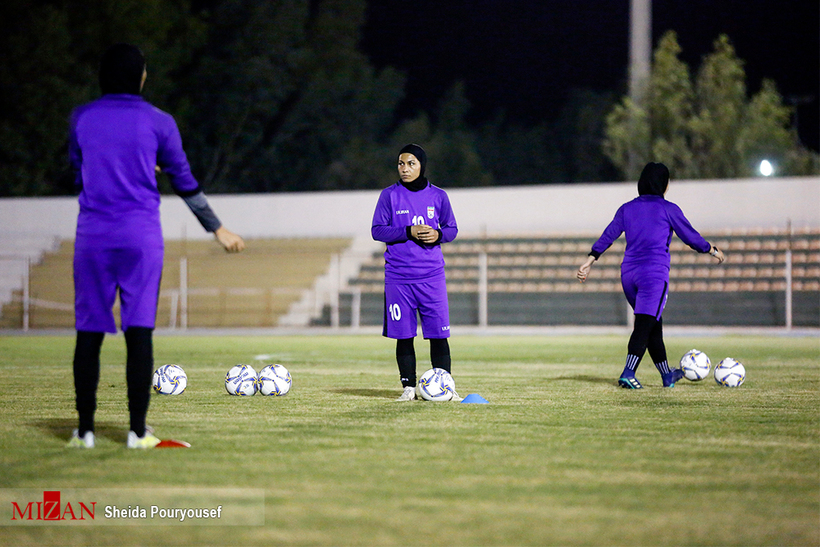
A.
pixel 408 260
pixel 648 222
pixel 115 143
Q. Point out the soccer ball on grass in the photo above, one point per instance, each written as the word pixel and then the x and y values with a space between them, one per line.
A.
pixel 695 365
pixel 274 380
pixel 169 380
pixel 730 373
pixel 241 380
pixel 436 385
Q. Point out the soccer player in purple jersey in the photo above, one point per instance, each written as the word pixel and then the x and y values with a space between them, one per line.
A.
pixel 414 218
pixel 648 222
pixel 116 145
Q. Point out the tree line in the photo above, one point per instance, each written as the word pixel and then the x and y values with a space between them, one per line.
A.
pixel 278 96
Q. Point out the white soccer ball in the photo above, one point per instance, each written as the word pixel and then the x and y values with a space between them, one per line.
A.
pixel 436 385
pixel 274 380
pixel 730 373
pixel 169 380
pixel 695 365
pixel 241 380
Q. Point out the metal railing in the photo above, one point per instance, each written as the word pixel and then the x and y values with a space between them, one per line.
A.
pixel 328 292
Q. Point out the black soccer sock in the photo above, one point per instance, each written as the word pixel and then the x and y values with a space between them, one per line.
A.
pixel 87 377
pixel 406 359
pixel 440 353
pixel 644 324
pixel 138 371
pixel 655 345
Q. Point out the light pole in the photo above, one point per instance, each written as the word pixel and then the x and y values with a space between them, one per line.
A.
pixel 640 62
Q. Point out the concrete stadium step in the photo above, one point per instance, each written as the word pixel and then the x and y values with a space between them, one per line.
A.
pixel 253 289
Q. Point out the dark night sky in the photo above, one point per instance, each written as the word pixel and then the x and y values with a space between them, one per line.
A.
pixel 525 56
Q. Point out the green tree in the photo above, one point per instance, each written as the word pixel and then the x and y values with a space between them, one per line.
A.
pixel 719 115
pixel 292 104
pixel 708 128
pixel 671 100
pixel 579 132
pixel 49 65
pixel 268 95
pixel 449 142
pixel 627 133
pixel 37 91
pixel 453 143
pixel 518 155
pixel 765 133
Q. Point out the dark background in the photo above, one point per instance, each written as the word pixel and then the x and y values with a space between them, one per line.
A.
pixel 525 57
pixel 303 95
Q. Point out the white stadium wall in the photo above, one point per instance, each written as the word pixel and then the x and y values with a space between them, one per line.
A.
pixel 564 208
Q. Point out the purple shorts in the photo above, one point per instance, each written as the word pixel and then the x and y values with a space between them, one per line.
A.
pixel 429 298
pixel 98 273
pixel 646 289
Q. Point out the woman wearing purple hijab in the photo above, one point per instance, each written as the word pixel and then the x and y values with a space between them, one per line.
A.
pixel 648 222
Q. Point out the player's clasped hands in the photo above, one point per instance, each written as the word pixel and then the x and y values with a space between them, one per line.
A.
pixel 424 233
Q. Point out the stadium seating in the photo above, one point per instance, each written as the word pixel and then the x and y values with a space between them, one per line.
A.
pixel 250 289
pixel 17 252
pixel 531 280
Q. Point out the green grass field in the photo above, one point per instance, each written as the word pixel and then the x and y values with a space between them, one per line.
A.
pixel 560 456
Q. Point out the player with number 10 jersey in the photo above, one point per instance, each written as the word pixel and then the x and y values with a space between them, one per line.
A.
pixel 413 218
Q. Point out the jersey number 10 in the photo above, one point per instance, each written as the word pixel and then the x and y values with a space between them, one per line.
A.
pixel 395 312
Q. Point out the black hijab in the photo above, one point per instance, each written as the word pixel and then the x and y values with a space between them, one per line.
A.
pixel 121 69
pixel 654 180
pixel 421 182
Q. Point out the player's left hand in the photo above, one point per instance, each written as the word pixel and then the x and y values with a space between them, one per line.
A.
pixel 583 270
pixel 231 241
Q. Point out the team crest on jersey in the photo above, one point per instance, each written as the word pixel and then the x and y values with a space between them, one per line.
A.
pixel 431 212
